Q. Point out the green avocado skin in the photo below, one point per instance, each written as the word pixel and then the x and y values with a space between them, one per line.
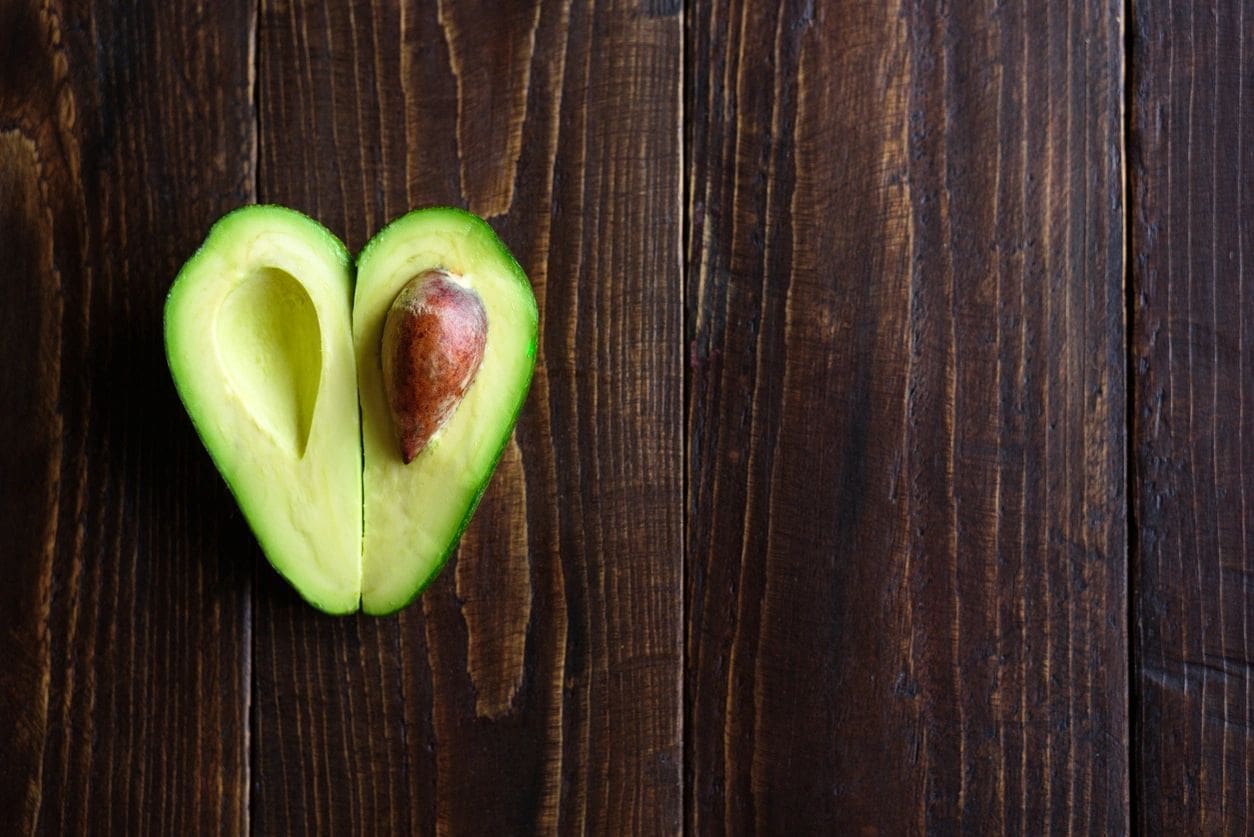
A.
pixel 508 413
pixel 470 512
pixel 187 361
pixel 240 222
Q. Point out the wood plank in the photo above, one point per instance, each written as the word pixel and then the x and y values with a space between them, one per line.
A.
pixel 537 684
pixel 1193 416
pixel 124 610
pixel 906 574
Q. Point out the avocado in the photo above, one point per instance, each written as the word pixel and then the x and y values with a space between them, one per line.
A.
pixel 445 327
pixel 259 342
pixel 357 428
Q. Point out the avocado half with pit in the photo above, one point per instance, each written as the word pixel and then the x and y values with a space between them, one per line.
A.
pixel 357 422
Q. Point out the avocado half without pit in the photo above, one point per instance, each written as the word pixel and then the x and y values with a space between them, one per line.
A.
pixel 356 412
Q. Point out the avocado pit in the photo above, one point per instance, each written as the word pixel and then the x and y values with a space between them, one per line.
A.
pixel 432 346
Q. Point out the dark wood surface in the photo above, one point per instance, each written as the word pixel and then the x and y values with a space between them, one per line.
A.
pixel 126 594
pixel 855 442
pixel 907 579
pixel 1191 201
pixel 537 684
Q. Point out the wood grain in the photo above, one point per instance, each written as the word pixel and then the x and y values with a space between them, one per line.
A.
pixel 124 614
pixel 904 491
pixel 906 585
pixel 494 588
pixel 536 686
pixel 1193 416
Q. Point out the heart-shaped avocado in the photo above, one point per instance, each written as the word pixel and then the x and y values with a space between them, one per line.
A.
pixel 357 426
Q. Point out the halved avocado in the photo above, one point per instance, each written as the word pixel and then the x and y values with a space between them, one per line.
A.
pixel 258 338
pixel 415 512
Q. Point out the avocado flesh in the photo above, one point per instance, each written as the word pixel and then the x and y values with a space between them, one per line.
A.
pixel 258 338
pixel 415 513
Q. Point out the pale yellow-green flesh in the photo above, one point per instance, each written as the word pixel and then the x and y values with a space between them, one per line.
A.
pixel 414 512
pixel 259 344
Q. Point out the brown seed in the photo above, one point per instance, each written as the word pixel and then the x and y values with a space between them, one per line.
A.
pixel 432 346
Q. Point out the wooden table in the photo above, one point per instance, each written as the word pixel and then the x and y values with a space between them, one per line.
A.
pixel 885 469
